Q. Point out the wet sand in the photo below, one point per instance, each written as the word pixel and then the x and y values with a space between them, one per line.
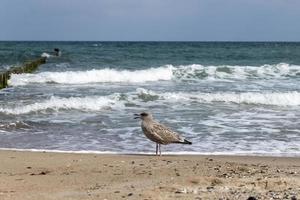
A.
pixel 51 176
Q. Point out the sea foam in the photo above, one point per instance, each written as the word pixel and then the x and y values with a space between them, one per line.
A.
pixel 142 97
pixel 197 71
pixel 45 55
pixel 94 76
pixel 93 103
pixel 273 153
pixel 163 73
pixel 266 98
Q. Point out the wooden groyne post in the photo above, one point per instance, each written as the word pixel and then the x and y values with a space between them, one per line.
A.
pixel 4 76
pixel 27 67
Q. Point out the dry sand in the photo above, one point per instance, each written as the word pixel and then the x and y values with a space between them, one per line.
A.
pixel 45 176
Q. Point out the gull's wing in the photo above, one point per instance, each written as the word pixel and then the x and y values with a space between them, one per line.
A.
pixel 166 133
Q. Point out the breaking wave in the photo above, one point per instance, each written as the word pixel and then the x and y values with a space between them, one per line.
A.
pixel 164 73
pixel 142 96
pixel 94 76
pixel 46 55
pixel 13 125
pixel 266 98
pixel 195 71
pixel 57 103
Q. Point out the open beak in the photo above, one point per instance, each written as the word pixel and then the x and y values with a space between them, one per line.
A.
pixel 137 116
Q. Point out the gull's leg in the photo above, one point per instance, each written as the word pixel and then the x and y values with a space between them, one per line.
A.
pixel 156 149
pixel 159 150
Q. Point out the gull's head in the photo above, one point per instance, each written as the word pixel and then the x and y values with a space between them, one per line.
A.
pixel 143 116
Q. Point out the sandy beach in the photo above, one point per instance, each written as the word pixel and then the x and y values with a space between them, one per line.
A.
pixel 43 175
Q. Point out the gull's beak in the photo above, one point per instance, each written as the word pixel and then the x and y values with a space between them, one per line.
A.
pixel 137 116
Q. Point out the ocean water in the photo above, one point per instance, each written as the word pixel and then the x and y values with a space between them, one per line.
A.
pixel 227 98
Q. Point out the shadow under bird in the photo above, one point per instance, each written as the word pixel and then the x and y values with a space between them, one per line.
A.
pixel 159 133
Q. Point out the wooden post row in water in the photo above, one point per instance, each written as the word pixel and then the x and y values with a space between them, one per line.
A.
pixel 27 67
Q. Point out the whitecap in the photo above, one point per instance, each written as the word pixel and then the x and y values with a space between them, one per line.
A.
pixel 164 73
pixel 45 55
pixel 95 103
pixel 94 76
pixel 265 98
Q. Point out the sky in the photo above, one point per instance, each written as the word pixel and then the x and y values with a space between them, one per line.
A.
pixel 150 20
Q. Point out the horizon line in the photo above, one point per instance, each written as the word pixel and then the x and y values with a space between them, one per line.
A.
pixel 257 41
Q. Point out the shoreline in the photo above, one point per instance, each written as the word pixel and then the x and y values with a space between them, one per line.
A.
pixel 174 153
pixel 47 175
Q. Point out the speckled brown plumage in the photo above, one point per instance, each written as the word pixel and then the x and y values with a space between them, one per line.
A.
pixel 159 133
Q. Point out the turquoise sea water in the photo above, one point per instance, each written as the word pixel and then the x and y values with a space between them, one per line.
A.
pixel 226 97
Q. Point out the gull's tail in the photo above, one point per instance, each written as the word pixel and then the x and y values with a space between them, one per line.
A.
pixel 184 142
